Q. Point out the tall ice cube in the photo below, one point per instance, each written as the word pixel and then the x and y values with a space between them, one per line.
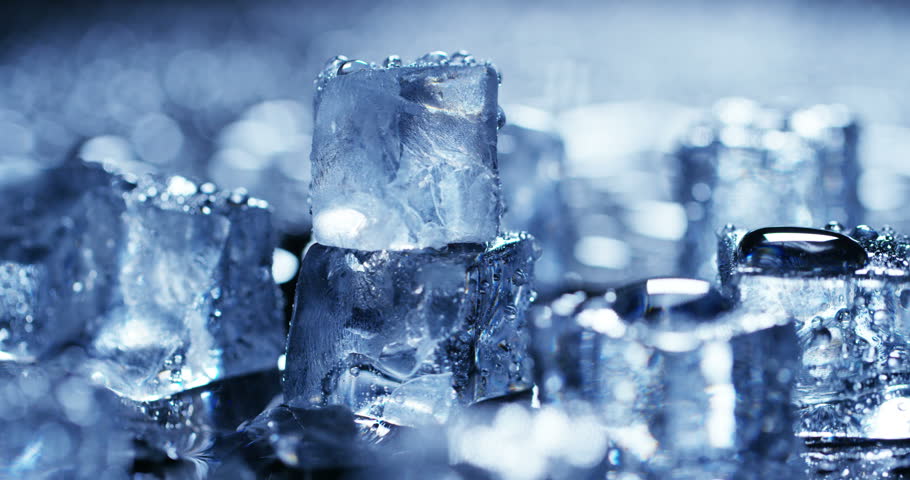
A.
pixel 405 156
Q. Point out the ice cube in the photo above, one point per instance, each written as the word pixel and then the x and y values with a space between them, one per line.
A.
pixel 406 336
pixel 684 386
pixel 531 162
pixel 848 295
pixel 193 298
pixel 166 280
pixel 754 166
pixel 57 425
pixel 405 156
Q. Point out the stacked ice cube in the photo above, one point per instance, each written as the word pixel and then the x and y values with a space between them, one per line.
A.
pixel 848 295
pixel 753 166
pixel 411 303
pixel 683 385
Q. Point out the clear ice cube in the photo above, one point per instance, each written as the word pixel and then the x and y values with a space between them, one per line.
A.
pixel 404 157
pixel 194 300
pixel 168 282
pixel 531 163
pixel 684 386
pixel 848 296
pixel 406 336
pixel 753 166
pixel 57 425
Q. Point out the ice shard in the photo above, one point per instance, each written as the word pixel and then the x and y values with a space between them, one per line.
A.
pixel 407 336
pixel 847 291
pixel 683 385
pixel 754 166
pixel 404 156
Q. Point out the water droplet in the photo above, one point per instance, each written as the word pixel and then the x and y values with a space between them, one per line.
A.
pixel 905 299
pixel 798 250
pixel 834 227
pixel 462 57
pixel 333 63
pixel 500 117
pixel 392 61
pixel 821 338
pixel 207 188
pixel 864 233
pixel 352 66
pixel 434 58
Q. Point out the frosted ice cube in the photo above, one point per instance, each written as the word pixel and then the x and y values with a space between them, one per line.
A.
pixel 754 166
pixel 407 336
pixel 684 386
pixel 57 425
pixel 531 163
pixel 848 295
pixel 405 157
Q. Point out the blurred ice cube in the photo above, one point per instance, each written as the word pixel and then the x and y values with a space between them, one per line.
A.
pixel 683 386
pixel 193 297
pixel 753 166
pixel 619 191
pixel 57 252
pixel 531 165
